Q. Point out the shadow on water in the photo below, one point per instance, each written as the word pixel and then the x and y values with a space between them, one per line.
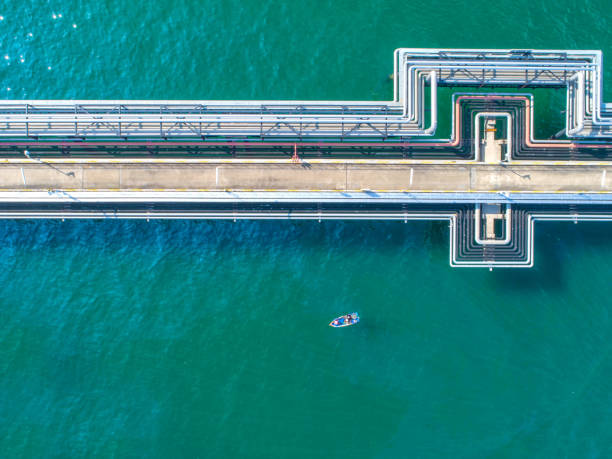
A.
pixel 575 236
pixel 436 234
pixel 556 245
pixel 548 271
pixel 192 235
pixel 349 235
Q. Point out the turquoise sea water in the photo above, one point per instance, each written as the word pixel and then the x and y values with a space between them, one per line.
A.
pixel 210 339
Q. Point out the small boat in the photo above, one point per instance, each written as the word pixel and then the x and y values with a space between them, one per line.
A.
pixel 345 320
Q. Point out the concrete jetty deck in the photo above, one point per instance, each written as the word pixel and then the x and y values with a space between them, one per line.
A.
pixel 315 175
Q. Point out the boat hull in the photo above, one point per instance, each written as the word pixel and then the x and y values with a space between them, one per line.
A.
pixel 345 321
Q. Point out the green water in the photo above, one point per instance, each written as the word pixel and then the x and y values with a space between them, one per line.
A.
pixel 210 339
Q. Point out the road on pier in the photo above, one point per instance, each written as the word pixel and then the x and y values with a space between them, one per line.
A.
pixel 316 176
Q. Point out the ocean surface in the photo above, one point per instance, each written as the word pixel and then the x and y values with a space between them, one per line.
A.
pixel 209 339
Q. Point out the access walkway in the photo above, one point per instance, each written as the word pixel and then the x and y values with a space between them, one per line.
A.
pixel 316 175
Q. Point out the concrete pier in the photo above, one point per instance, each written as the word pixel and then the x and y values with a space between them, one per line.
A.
pixel 490 179
pixel 314 175
pixel 492 147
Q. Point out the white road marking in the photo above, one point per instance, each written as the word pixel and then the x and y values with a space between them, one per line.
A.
pixel 23 176
pixel 411 175
pixel 603 178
